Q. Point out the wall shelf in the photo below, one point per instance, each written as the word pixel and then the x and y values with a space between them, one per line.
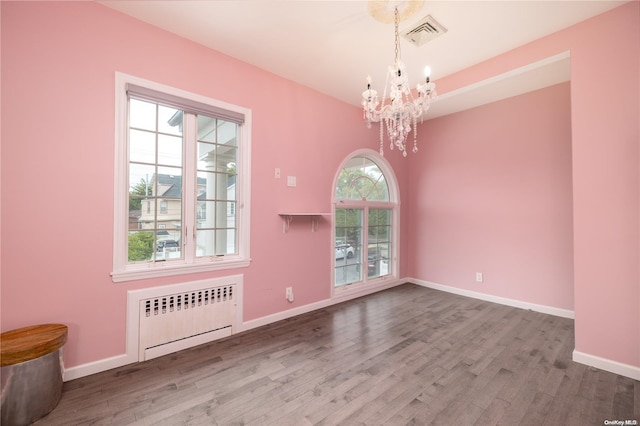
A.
pixel 287 217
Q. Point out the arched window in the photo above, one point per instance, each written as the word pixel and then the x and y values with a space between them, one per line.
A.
pixel 366 212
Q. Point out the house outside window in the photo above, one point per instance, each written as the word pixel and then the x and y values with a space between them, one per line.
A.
pixel 185 157
pixel 366 212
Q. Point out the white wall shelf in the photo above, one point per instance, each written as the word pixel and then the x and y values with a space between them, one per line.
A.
pixel 287 217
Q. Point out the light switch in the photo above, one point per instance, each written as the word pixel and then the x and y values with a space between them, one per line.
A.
pixel 291 181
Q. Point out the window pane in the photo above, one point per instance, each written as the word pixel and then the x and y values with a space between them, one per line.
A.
pixel 170 120
pixel 142 146
pixel 362 179
pixel 206 213
pixel 207 129
pixel 231 187
pixel 219 242
pixel 348 249
pixel 226 187
pixel 138 175
pixel 379 243
pixel 140 188
pixel 227 133
pixel 142 115
pixel 168 248
pixel 378 260
pixel 205 243
pixel 170 150
pixel 230 239
pixel 206 156
pixel 141 246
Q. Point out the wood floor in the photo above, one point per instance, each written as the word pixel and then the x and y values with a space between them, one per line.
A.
pixel 405 356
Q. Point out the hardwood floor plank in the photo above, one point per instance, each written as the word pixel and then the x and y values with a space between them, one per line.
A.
pixel 408 355
pixel 602 403
pixel 469 415
pixel 623 399
pixel 538 410
pixel 493 413
pixel 485 396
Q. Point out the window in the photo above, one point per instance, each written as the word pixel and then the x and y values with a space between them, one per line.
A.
pixel 182 180
pixel 366 210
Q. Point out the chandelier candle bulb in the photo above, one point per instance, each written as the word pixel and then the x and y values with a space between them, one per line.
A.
pixel 427 72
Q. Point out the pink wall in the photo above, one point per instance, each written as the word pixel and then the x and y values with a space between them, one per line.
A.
pixel 59 61
pixel 605 129
pixel 494 196
pixel 58 65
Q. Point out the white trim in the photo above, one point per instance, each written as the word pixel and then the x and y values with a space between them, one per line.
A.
pixel 270 319
pixel 615 367
pixel 546 72
pixel 96 367
pixel 511 73
pixel 167 270
pixel 362 291
pixel 564 313
pixel 122 269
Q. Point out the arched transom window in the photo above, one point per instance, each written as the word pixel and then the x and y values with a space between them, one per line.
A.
pixel 366 210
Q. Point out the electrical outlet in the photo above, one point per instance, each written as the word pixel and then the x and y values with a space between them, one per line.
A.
pixel 289 294
pixel 479 277
pixel 277 173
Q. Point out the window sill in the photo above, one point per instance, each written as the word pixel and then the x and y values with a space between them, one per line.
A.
pixel 144 272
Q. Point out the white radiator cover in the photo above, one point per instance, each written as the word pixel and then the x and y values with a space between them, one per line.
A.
pixel 176 317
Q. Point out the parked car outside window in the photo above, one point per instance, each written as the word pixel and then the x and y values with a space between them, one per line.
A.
pixel 167 244
pixel 344 249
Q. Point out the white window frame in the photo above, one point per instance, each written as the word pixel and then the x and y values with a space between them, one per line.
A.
pixel 393 204
pixel 122 269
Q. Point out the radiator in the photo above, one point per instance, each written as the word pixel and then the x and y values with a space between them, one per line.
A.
pixel 177 320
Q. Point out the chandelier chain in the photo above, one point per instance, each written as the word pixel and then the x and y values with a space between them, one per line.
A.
pixel 396 21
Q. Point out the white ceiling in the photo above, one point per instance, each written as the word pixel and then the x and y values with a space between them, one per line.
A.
pixel 332 46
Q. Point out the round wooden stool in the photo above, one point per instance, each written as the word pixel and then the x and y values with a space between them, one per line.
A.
pixel 31 370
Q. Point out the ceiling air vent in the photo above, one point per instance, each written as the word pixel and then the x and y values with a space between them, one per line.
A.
pixel 425 30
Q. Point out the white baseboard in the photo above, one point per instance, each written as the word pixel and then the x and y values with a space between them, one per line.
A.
pixel 268 319
pixel 626 370
pixel 565 313
pixel 607 365
pixel 343 296
pixel 97 366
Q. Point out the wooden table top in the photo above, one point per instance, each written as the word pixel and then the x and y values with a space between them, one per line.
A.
pixel 27 343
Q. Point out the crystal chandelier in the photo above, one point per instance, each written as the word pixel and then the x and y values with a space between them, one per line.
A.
pixel 400 115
